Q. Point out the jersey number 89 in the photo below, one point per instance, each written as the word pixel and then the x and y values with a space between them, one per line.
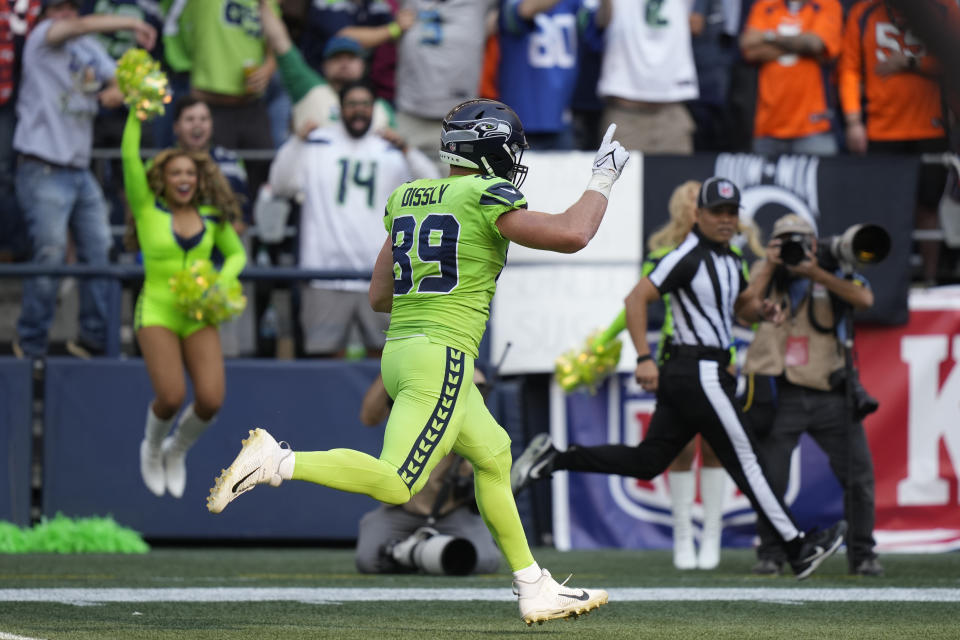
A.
pixel 436 240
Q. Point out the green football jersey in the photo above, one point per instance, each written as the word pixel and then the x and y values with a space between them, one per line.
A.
pixel 447 255
pixel 215 40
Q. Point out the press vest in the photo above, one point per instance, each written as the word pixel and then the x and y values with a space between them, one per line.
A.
pixel 796 348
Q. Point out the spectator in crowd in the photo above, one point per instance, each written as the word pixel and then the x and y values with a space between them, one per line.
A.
pixel 230 67
pixel 803 357
pixel 586 105
pixel 66 74
pixel 315 97
pixel 372 23
pixel 16 20
pixel 539 44
pixel 345 172
pixel 794 43
pixel 714 26
pixel 439 61
pixel 118 42
pixel 648 73
pixel 446 503
pixel 108 125
pixel 182 208
pixel 892 103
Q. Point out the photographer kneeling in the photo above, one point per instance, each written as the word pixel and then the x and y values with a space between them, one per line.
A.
pixel 796 371
pixel 439 530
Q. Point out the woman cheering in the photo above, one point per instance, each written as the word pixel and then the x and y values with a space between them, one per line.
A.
pixel 182 208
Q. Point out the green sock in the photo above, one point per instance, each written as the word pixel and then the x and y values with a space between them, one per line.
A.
pixel 499 509
pixel 353 471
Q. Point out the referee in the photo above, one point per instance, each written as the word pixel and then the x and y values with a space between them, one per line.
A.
pixel 695 392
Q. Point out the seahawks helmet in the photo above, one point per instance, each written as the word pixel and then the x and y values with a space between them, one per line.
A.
pixel 486 135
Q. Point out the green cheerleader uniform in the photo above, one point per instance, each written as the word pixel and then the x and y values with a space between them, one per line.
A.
pixel 164 252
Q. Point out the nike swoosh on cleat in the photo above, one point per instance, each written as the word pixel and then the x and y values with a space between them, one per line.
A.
pixel 537 468
pixel 583 597
pixel 817 551
pixel 240 481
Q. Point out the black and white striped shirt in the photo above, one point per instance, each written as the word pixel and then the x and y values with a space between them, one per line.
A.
pixel 703 279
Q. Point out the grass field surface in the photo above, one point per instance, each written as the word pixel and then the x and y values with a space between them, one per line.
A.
pixel 300 593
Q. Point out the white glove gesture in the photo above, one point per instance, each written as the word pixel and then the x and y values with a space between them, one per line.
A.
pixel 611 156
pixel 608 164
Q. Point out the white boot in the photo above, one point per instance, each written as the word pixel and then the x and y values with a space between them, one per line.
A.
pixel 682 489
pixel 713 484
pixel 544 599
pixel 151 456
pixel 175 449
pixel 262 460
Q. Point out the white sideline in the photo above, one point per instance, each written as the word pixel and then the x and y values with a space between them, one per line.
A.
pixel 83 597
pixel 11 636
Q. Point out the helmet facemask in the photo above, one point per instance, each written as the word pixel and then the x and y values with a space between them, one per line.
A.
pixel 518 173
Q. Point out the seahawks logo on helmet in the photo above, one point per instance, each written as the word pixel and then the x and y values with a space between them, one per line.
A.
pixel 485 128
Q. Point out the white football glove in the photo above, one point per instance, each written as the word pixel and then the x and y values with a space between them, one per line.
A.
pixel 608 163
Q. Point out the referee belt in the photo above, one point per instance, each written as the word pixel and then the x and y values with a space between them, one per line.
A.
pixel 692 352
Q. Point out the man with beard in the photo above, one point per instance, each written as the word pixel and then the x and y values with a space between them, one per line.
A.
pixel 315 98
pixel 345 172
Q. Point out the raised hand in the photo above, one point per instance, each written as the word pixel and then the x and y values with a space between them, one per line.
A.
pixel 611 156
pixel 608 164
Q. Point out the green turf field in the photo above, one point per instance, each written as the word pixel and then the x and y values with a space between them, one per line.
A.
pixel 293 594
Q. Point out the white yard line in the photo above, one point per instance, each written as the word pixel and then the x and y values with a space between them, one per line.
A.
pixel 82 597
pixel 12 636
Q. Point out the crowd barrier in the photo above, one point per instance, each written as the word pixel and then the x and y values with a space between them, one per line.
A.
pixel 93 420
pixel 15 438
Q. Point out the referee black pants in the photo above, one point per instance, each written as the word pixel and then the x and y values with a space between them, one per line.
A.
pixel 694 396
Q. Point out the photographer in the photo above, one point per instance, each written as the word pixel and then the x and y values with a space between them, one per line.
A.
pixel 445 505
pixel 796 384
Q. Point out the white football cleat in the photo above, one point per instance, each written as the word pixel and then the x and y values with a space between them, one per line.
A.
pixel 545 599
pixel 257 463
pixel 151 468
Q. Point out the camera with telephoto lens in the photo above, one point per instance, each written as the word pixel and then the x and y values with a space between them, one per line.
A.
pixel 794 248
pixel 861 244
pixel 428 551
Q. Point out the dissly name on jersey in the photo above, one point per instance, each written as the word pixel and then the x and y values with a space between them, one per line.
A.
pixel 416 196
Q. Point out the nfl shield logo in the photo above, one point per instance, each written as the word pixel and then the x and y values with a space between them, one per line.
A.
pixel 725 189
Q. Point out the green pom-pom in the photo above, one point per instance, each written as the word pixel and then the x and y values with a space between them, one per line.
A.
pixel 144 85
pixel 201 295
pixel 12 539
pixel 589 366
pixel 61 534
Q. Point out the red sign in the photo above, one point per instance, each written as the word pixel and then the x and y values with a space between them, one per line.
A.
pixel 915 435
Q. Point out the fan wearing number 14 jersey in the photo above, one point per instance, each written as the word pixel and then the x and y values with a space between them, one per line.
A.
pixel 436 273
pixel 345 172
